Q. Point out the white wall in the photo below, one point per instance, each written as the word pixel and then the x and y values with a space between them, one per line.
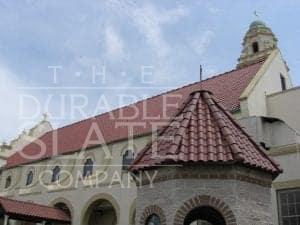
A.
pixel 289 179
pixel 286 106
pixel 267 84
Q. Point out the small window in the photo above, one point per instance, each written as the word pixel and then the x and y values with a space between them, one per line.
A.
pixel 283 83
pixel 255 47
pixel 153 220
pixel 29 178
pixel 8 182
pixel 88 168
pixel 128 158
pixel 55 174
pixel 289 206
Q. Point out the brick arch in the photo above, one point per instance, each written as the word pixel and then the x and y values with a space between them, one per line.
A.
pixel 153 209
pixel 204 200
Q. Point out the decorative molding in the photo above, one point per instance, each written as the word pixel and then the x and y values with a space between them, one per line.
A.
pixel 286 184
pixel 205 200
pixel 222 175
pixel 25 192
pixel 285 150
pixel 132 147
pixel 153 209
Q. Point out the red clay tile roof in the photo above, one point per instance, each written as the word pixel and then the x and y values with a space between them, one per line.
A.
pixel 227 88
pixel 32 211
pixel 203 131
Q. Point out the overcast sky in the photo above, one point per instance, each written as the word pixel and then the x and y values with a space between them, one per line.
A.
pixel 84 38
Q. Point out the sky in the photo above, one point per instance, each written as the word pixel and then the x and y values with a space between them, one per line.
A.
pixel 99 55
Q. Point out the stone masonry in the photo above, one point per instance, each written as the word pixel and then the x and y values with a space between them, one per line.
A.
pixel 239 201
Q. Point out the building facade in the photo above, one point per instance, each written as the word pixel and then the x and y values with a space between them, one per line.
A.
pixel 83 167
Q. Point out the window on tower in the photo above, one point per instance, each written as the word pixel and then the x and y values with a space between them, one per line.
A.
pixel 255 47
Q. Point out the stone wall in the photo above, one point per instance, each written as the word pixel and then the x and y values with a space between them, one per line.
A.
pixel 239 201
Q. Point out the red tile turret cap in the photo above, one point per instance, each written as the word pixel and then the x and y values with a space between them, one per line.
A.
pixel 203 131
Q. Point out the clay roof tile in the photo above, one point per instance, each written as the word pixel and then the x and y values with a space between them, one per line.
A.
pixel 226 87
pixel 221 139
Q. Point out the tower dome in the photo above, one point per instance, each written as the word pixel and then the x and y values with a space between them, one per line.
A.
pixel 257 23
pixel 258 43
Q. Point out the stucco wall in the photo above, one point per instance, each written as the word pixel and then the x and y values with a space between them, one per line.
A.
pixel 272 132
pixel 288 158
pixel 286 106
pixel 267 82
pixel 72 189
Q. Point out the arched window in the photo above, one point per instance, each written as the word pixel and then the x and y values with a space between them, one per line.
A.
pixel 8 182
pixel 55 174
pixel 88 168
pixel 283 82
pixel 128 157
pixel 29 178
pixel 62 206
pixel 204 215
pixel 153 220
pixel 255 47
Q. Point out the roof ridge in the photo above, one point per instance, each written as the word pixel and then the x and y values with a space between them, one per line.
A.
pixel 160 131
pixel 154 96
pixel 210 100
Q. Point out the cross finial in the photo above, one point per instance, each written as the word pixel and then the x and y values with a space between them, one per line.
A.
pixel 256 14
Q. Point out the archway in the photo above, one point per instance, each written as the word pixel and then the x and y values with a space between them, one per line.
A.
pixel 63 206
pixel 101 212
pixel 204 210
pixel 204 215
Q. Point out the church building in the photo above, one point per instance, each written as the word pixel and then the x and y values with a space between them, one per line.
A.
pixel 222 151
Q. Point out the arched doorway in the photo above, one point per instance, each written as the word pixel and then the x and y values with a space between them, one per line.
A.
pixel 101 212
pixel 204 215
pixel 62 206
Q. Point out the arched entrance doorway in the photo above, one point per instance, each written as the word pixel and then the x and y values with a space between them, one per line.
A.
pixel 204 215
pixel 101 212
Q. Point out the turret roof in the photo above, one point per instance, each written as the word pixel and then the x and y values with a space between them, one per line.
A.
pixel 203 131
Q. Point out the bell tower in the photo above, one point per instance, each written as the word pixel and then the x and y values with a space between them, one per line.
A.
pixel 258 43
